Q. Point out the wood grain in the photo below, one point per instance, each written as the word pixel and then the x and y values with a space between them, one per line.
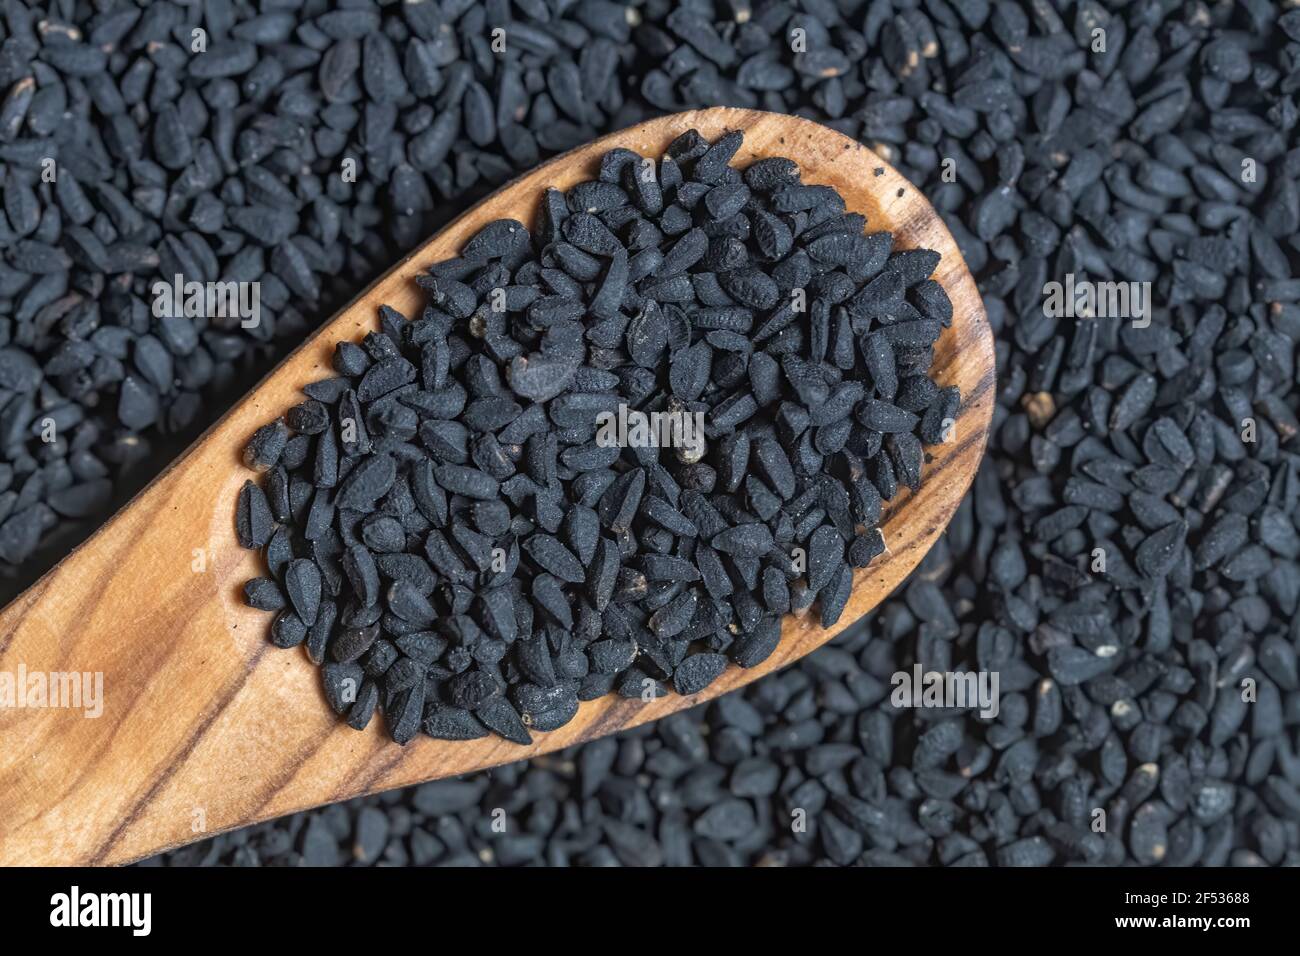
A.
pixel 206 726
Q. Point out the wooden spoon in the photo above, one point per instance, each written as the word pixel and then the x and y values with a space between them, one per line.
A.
pixel 205 726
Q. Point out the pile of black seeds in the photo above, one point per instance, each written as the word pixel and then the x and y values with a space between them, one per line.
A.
pixel 459 534
pixel 1148 141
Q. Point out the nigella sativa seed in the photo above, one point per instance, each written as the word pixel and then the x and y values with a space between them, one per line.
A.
pixel 547 557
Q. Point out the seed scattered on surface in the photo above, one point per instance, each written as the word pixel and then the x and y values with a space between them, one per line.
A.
pixel 1124 165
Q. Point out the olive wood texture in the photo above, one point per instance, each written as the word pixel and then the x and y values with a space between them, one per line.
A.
pixel 206 726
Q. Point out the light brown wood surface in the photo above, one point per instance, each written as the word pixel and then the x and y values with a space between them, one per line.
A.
pixel 206 726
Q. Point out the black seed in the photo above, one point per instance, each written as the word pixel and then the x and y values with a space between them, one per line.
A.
pixel 302 581
pixel 469 482
pixel 499 716
pixel 359 565
pixel 263 594
pixel 342 685
pixel 747 540
pixel 366 482
pixel 263 450
pixel 697 672
pixel 253 521
pixel 288 630
pixel 453 723
pixel 554 558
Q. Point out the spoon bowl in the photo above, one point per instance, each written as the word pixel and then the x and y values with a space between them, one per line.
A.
pixel 203 726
